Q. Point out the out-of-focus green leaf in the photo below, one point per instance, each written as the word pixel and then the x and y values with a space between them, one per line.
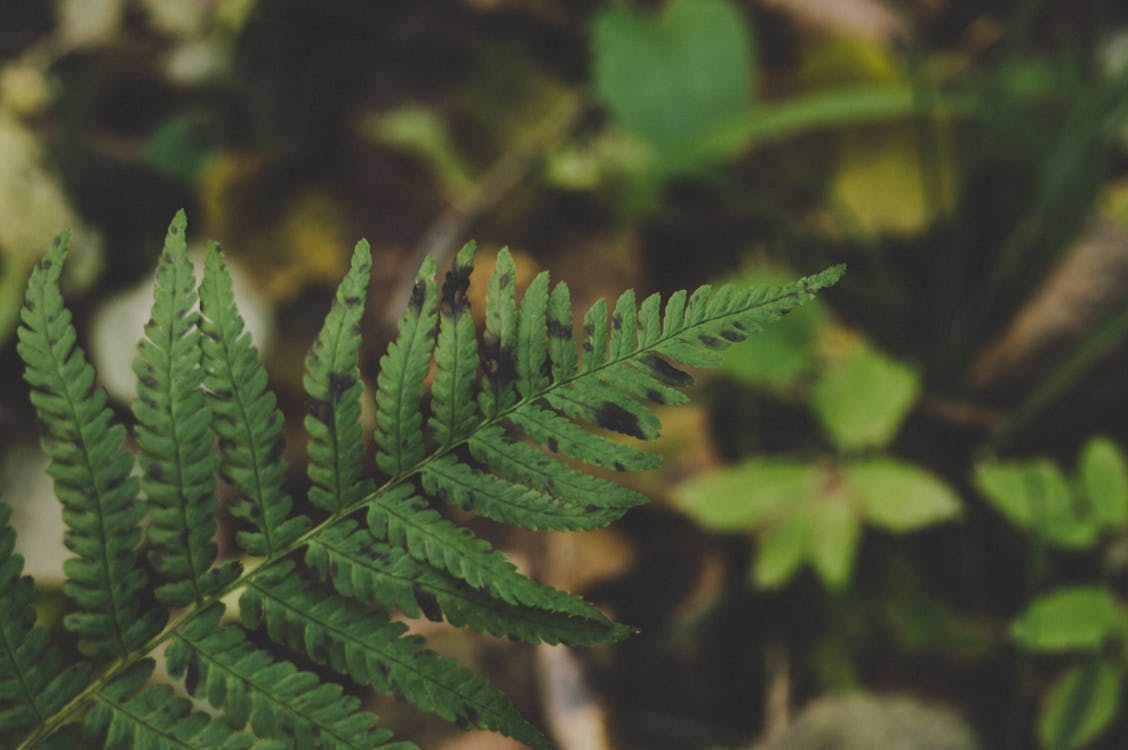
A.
pixel 862 399
pixel 736 497
pixel 782 351
pixel 674 78
pixel 1078 618
pixel 1035 496
pixel 900 497
pixel 779 552
pixel 1104 480
pixel 832 539
pixel 1080 706
pixel 177 149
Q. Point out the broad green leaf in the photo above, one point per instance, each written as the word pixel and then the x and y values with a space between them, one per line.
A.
pixel 1078 618
pixel 900 497
pixel 780 552
pixel 747 493
pixel 862 399
pixel 1035 496
pixel 1080 706
pixel 833 530
pixel 1104 480
pixel 677 77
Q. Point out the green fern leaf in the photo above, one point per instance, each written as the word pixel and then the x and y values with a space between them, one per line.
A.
pixel 33 682
pixel 453 411
pixel 532 333
pixel 553 431
pixel 399 394
pixel 372 650
pixel 91 473
pixel 407 520
pixel 174 433
pixel 126 715
pixel 332 384
pixel 595 335
pixel 499 340
pixel 561 344
pixel 503 501
pixel 376 573
pixel 522 463
pixel 219 664
pixel 246 418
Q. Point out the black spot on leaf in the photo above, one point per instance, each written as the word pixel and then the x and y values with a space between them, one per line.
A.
pixel 340 382
pixel 418 296
pixel 559 329
pixel 192 672
pixel 428 603
pixel 707 340
pixel 454 299
pixel 617 322
pixel 655 396
pixel 665 372
pixel 553 445
pixel 732 335
pixel 611 416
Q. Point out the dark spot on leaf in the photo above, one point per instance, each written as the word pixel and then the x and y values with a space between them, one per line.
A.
pixel 148 381
pixel 154 471
pixel 654 396
pixel 418 296
pixel 553 445
pixel 322 411
pixel 471 715
pixel 454 299
pixel 559 329
pixel 503 280
pixel 428 603
pixel 707 340
pixel 666 372
pixel 589 329
pixel 738 325
pixel 732 335
pixel 339 382
pixel 29 304
pixel 617 322
pixel 352 301
pixel 587 347
pixel 611 416
pixel 192 672
pixel 786 311
pixel 619 466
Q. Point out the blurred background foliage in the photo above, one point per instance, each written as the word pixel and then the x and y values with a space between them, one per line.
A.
pixel 901 512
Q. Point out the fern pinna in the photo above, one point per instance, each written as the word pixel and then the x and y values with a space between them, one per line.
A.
pixel 503 433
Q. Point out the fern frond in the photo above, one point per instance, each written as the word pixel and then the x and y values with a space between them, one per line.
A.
pixel 33 682
pixel 91 473
pixel 407 520
pixel 333 387
pixel 127 715
pixel 532 333
pixel 374 651
pixel 219 664
pixel 399 393
pixel 453 410
pixel 362 568
pixel 246 418
pixel 174 433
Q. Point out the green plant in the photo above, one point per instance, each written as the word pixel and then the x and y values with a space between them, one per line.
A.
pixel 1089 621
pixel 805 511
pixel 319 581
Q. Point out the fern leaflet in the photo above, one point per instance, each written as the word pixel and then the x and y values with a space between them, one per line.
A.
pixel 246 418
pixel 174 433
pixel 92 474
pixel 332 384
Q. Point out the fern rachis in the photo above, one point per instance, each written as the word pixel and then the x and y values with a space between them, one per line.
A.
pixel 500 412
